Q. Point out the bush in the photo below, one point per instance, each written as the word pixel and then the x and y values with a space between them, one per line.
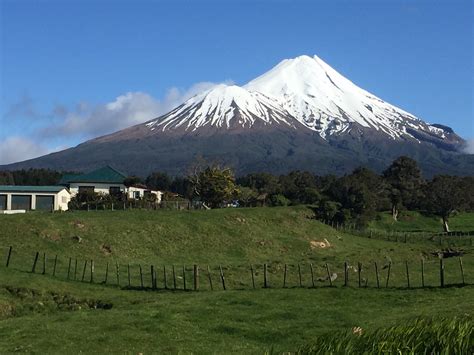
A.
pixel 421 336
pixel 279 200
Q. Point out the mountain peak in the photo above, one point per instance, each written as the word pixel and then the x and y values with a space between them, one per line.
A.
pixel 303 92
pixel 224 106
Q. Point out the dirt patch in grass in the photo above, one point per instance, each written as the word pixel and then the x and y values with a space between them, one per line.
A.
pixel 27 300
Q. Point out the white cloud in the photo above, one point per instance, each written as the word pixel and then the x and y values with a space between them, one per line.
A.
pixel 469 148
pixel 129 109
pixel 85 121
pixel 15 148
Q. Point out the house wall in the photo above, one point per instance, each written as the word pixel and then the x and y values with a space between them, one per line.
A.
pixel 98 187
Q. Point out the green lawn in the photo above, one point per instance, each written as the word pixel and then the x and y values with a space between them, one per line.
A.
pixel 41 313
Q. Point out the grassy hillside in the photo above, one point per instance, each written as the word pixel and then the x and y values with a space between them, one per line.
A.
pixel 41 313
pixel 410 221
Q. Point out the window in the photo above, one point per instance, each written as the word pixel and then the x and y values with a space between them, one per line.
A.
pixel 136 194
pixel 85 189
pixel 114 190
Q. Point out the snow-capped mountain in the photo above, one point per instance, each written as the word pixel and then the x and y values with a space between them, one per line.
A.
pixel 300 115
pixel 303 90
pixel 224 106
pixel 325 101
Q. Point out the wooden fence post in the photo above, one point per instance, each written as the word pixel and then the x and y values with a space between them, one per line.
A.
pixel 92 271
pixel 152 273
pixel 462 270
pixel 54 265
pixel 284 276
pixel 84 270
pixel 377 274
pixel 141 275
pixel 106 273
pixel 165 282
pixel 34 262
pixel 222 277
pixel 441 272
pixel 9 255
pixel 345 274
pixel 422 272
pixel 299 274
pixel 174 277
pixel 44 264
pixel 196 277
pixel 408 274
pixel 69 268
pixel 312 274
pixel 75 269
pixel 329 274
pixel 253 277
pixel 265 284
pixel 117 272
pixel 184 278
pixel 210 278
pixel 359 269
pixel 388 273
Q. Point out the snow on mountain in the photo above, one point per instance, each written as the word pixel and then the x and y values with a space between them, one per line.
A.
pixel 325 101
pixel 301 91
pixel 227 106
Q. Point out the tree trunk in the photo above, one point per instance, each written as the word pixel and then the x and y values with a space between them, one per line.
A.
pixel 445 225
pixel 395 213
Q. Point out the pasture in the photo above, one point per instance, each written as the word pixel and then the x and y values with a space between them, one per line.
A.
pixel 42 313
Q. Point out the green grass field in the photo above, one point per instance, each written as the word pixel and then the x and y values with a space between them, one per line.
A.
pixel 42 313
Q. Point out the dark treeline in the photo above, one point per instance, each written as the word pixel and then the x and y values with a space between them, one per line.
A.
pixel 354 198
pixel 33 177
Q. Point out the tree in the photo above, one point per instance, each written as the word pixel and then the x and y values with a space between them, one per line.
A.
pixel 247 196
pixel 214 186
pixel 445 195
pixel 360 195
pixel 405 184
pixel 158 181
pixel 131 181
pixel 6 178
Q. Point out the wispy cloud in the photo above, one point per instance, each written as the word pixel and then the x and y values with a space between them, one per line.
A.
pixel 17 148
pixel 131 108
pixel 85 120
pixel 469 148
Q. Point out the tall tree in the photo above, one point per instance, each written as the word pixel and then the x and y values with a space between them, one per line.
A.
pixel 359 196
pixel 214 186
pixel 445 195
pixel 405 184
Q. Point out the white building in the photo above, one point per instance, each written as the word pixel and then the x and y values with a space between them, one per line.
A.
pixel 107 180
pixel 49 198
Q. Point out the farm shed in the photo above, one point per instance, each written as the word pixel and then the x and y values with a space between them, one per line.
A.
pixel 27 198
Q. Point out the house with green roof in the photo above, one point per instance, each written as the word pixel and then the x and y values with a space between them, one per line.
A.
pixel 105 180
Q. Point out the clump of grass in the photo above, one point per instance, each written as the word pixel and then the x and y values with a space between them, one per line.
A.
pixel 421 336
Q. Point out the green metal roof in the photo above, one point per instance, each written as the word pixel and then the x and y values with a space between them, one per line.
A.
pixel 20 188
pixel 106 174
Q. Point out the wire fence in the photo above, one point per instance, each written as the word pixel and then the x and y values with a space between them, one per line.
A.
pixel 410 274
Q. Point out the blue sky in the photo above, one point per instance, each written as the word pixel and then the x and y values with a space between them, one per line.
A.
pixel 72 70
